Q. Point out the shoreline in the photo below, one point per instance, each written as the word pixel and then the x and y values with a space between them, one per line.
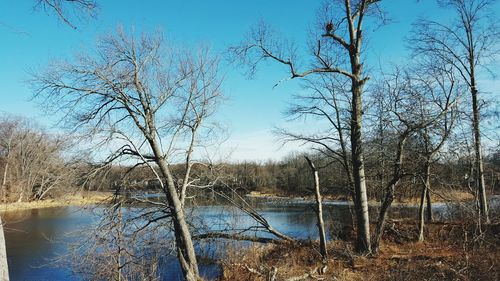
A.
pixel 455 197
pixel 78 199
pixel 98 197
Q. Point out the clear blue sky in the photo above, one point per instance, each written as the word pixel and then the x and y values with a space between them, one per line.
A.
pixel 29 39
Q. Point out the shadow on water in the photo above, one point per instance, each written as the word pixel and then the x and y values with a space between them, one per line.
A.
pixel 36 236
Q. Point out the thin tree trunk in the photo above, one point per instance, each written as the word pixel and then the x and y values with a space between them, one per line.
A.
pixel 425 195
pixel 389 193
pixel 430 218
pixel 421 216
pixel 428 190
pixel 483 203
pixel 319 211
pixel 4 179
pixel 4 268
pixel 384 208
pixel 119 244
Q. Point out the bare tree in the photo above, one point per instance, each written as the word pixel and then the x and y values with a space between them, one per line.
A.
pixel 326 101
pixel 468 43
pixel 403 95
pixel 36 163
pixel 337 52
pixel 119 247
pixel 151 101
pixel 440 90
pixel 69 10
pixel 319 210
pixel 8 132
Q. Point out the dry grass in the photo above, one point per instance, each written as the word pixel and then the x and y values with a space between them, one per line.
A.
pixel 451 195
pixel 451 253
pixel 78 199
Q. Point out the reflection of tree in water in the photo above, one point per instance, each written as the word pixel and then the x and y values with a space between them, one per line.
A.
pixel 27 233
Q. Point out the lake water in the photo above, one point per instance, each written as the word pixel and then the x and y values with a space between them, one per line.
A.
pixel 35 237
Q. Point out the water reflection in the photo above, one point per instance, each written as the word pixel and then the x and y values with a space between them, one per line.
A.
pixel 28 237
pixel 35 236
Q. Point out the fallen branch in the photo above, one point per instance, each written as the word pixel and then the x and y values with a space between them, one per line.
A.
pixel 239 237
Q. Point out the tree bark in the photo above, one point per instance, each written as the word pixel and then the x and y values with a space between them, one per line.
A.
pixel 384 208
pixel 425 197
pixel 430 218
pixel 4 179
pixel 239 237
pixel 483 203
pixel 357 82
pixel 4 268
pixel 421 215
pixel 390 188
pixel 362 218
pixel 319 211
pixel 183 241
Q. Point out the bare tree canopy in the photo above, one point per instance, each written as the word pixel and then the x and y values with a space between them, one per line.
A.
pixel 469 43
pixel 336 49
pixel 69 10
pixel 151 100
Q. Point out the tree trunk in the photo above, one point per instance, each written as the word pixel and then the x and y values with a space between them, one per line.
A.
pixel 421 214
pixel 429 204
pixel 425 197
pixel 483 203
pixel 362 218
pixel 389 191
pixel 319 211
pixel 4 179
pixel 4 268
pixel 384 208
pixel 119 245
pixel 183 241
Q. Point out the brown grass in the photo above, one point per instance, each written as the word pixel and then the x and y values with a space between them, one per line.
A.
pixel 441 196
pixel 452 252
pixel 78 199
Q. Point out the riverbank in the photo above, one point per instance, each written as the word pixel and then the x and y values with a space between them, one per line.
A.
pixel 450 252
pixel 449 196
pixel 77 199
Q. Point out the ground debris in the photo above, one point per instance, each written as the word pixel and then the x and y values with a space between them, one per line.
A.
pixel 445 255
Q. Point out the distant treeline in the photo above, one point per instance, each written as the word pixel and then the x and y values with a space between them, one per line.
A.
pixel 35 164
pixel 292 177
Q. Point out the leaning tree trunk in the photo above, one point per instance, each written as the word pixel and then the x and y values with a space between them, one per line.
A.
pixel 4 269
pixel 384 208
pixel 389 192
pixel 319 211
pixel 183 241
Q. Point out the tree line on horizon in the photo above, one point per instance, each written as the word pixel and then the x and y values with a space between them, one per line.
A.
pixel 36 165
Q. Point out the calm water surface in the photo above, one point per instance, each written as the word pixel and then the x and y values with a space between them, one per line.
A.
pixel 35 237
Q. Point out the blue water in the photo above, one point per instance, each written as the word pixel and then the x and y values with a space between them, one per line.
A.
pixel 37 238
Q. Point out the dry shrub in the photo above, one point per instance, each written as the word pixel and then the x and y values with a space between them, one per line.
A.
pixel 451 252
